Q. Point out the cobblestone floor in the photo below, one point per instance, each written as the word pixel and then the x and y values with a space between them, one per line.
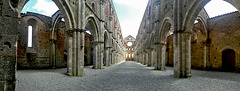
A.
pixel 127 76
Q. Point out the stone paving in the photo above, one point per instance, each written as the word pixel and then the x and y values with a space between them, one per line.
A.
pixel 126 76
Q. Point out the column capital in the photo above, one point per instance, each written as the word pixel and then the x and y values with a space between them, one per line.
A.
pixel 98 42
pixel 70 33
pixel 110 18
pixel 102 2
pixel 157 2
pixel 79 30
pixel 163 44
pixel 53 41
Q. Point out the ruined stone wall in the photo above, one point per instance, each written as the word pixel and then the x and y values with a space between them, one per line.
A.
pixel 169 51
pixel 88 50
pixel 61 45
pixel 129 49
pixel 36 56
pixel 199 40
pixel 224 34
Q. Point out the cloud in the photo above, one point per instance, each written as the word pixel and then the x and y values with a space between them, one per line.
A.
pixel 47 8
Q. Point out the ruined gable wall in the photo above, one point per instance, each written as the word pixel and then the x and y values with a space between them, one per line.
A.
pixel 224 34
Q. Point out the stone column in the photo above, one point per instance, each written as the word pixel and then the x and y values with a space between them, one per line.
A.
pixel 142 58
pixel 95 55
pixel 101 42
pixel 156 52
pixel 113 56
pixel 146 57
pixel 76 43
pixel 74 52
pixel 110 40
pixel 182 54
pixel 53 52
pixel 181 41
pixel 156 42
pixel 69 53
pixel 152 57
pixel 107 56
pixel 149 57
pixel 110 56
pixel 163 56
pixel 80 52
pixel 80 32
pixel 206 55
pixel 161 49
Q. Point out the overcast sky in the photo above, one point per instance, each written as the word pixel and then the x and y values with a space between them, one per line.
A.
pixel 130 12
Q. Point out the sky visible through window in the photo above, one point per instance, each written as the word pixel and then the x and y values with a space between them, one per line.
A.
pixel 130 12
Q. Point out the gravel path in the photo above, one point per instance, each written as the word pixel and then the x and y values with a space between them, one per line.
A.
pixel 127 76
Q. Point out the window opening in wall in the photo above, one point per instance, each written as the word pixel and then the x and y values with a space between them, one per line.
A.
pixel 126 55
pixel 93 7
pixel 129 55
pixel 132 55
pixel 30 30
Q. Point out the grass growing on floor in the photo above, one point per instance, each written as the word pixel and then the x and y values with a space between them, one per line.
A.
pixel 159 70
pixel 81 75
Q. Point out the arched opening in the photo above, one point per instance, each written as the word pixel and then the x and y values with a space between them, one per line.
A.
pixel 91 47
pixel 106 50
pixel 165 56
pixel 93 7
pixel 228 60
pixel 169 51
pixel 45 37
pixel 34 42
pixel 30 30
pixel 58 42
pixel 199 44
pixel 151 52
pixel 88 50
pixel 212 32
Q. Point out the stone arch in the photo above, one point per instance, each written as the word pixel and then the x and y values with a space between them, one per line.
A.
pixel 93 6
pixel 106 60
pixel 58 41
pixel 203 23
pixel 91 21
pixel 32 22
pixel 165 28
pixel 92 26
pixel 63 6
pixel 199 45
pixel 196 7
pixel 107 39
pixel 152 39
pixel 200 19
pixel 56 20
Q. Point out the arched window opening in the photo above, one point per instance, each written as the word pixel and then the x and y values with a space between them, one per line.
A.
pixel 30 32
pixel 93 7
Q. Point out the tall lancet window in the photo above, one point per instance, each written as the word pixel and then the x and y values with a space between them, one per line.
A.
pixel 30 31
